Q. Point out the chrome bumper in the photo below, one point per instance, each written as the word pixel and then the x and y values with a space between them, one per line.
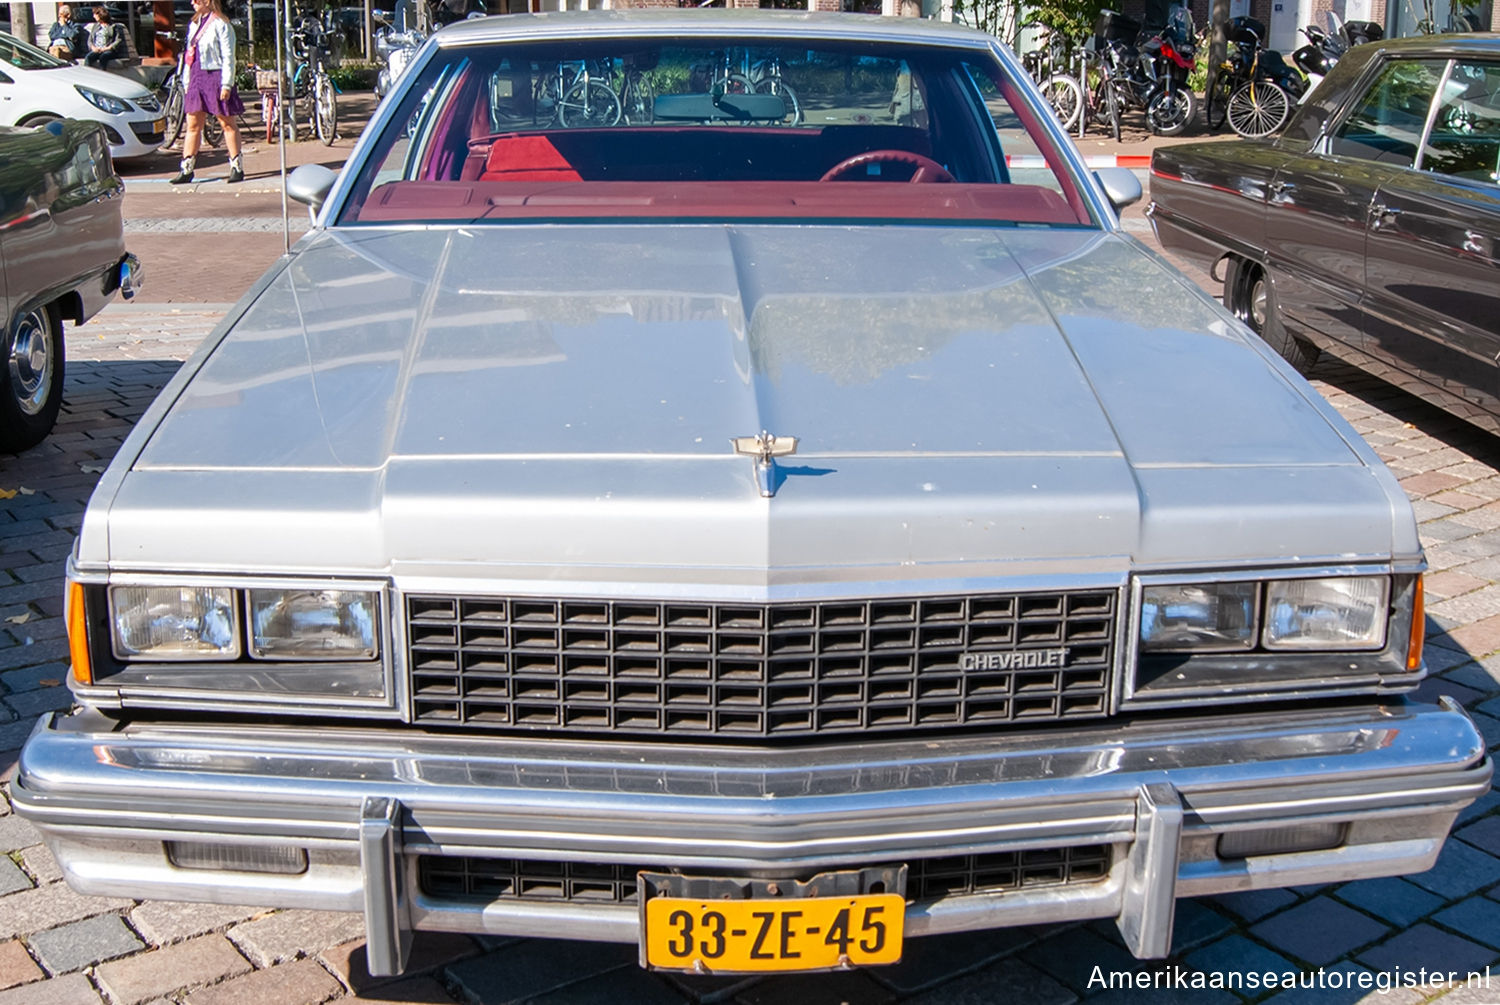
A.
pixel 365 803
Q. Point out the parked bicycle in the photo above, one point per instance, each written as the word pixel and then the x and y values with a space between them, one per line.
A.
pixel 171 94
pixel 636 93
pixel 315 48
pixel 576 93
pixel 763 76
pixel 1048 66
pixel 1254 89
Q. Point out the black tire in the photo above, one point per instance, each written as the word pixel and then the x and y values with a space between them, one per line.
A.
pixel 31 378
pixel 213 133
pixel 1216 100
pixel 1112 109
pixel 1251 296
pixel 1258 108
pixel 326 110
pixel 589 103
pixel 1169 113
pixel 171 107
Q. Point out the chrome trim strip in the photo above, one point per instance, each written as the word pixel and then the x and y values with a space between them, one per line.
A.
pixel 387 927
pixel 1149 900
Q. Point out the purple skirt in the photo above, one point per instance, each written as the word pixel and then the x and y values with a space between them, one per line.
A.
pixel 202 94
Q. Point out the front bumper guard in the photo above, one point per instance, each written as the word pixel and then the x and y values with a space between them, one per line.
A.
pixel 1160 793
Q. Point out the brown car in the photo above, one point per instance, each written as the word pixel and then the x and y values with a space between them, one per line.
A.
pixel 62 256
pixel 1368 229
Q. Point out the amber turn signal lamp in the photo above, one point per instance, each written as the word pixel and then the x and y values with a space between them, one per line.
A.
pixel 78 636
pixel 1418 630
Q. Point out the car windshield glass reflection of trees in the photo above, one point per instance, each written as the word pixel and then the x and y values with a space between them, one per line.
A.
pixel 1465 138
pixel 1387 125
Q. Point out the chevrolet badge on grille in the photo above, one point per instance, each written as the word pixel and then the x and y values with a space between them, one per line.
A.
pixel 765 448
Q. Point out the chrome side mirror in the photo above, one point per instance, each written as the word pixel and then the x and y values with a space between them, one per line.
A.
pixel 311 183
pixel 1121 186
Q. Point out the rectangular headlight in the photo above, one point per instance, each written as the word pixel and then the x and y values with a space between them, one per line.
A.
pixel 1198 616
pixel 313 624
pixel 1341 612
pixel 174 622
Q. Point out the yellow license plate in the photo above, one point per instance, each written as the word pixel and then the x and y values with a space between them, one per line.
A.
pixel 803 933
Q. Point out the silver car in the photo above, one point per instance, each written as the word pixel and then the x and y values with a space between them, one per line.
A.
pixel 725 482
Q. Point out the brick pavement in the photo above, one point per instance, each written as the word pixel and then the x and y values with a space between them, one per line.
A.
pixel 60 947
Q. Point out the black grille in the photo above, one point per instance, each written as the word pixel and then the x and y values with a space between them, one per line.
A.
pixel 759 669
pixel 490 879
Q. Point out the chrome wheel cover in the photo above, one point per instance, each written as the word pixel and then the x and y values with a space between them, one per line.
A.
pixel 1257 304
pixel 31 360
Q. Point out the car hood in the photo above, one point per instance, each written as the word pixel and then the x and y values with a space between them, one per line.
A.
pixel 564 398
pixel 112 84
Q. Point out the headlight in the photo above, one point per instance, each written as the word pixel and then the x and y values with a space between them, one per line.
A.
pixel 174 622
pixel 1198 616
pixel 312 624
pixel 1336 613
pixel 103 102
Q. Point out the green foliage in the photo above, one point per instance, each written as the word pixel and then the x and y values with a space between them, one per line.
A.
pixel 1071 21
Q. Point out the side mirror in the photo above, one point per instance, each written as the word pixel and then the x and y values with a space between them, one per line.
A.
pixel 311 183
pixel 1121 186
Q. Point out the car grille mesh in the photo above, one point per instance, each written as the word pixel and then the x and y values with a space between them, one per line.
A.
pixel 697 669
pixel 491 879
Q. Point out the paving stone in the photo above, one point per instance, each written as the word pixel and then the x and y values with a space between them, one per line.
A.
pixel 1476 918
pixel 1318 930
pixel 429 950
pixel 1432 687
pixel 16 833
pixel 1483 834
pixel 16 965
pixel 139 978
pixel 1485 991
pixel 287 935
pixel 1237 953
pixel 805 989
pixel 1196 923
pixel 1252 905
pixel 928 960
pixel 12 878
pixel 1429 947
pixel 1007 980
pixel 1480 807
pixel 39 863
pixel 81 943
pixel 534 967
pixel 73 989
pixel 49 906
pixel 1396 900
pixel 300 983
pixel 1460 869
pixel 1072 957
pixel 165 921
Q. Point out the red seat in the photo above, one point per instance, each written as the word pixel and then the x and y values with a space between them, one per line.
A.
pixel 526 157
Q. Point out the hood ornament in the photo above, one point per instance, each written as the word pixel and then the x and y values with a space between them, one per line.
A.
pixel 765 448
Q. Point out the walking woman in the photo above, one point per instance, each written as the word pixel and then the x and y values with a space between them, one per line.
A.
pixel 208 61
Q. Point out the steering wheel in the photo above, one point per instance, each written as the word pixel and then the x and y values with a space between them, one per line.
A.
pixel 927 169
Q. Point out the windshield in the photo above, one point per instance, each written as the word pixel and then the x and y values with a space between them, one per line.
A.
pixel 726 128
pixel 26 57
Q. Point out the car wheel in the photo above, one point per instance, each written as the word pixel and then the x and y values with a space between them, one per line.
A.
pixel 1251 297
pixel 31 378
pixel 40 120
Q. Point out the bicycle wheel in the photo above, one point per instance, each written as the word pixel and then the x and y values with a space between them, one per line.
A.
pixel 1257 108
pixel 326 110
pixel 589 103
pixel 1169 112
pixel 1112 110
pixel 774 85
pixel 171 107
pixel 213 133
pixel 1065 95
pixel 1216 100
pixel 639 105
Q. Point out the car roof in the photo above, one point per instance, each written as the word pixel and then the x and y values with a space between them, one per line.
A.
pixel 695 22
pixel 1441 45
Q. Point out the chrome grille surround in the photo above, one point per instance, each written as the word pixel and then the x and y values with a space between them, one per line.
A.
pixel 755 670
pixel 490 879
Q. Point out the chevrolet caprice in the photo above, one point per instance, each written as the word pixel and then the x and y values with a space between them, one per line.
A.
pixel 727 483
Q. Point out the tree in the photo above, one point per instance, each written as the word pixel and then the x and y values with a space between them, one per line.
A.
pixel 22 24
pixel 1070 20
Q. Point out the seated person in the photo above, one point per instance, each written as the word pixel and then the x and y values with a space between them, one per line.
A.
pixel 67 39
pixel 106 40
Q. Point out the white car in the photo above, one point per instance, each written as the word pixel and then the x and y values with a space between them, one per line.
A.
pixel 36 88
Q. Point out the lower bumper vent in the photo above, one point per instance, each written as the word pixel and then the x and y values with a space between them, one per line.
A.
pixel 490 879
